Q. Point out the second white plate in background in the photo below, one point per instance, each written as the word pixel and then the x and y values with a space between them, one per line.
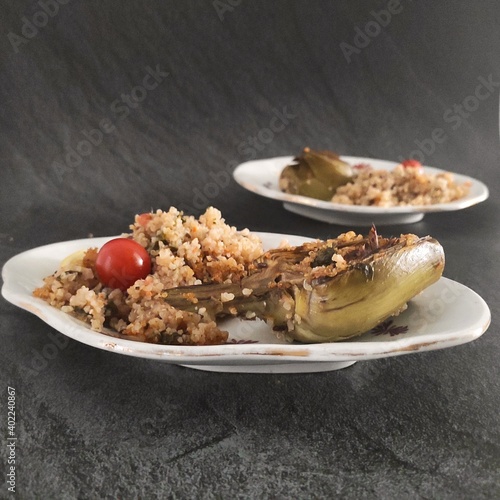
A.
pixel 262 176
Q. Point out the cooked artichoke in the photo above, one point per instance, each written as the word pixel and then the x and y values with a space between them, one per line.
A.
pixel 325 291
pixel 316 174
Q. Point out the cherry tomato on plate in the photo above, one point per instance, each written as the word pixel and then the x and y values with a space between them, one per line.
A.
pixel 121 262
pixel 143 219
pixel 411 163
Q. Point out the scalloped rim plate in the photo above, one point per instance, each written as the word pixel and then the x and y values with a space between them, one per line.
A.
pixel 444 315
pixel 262 176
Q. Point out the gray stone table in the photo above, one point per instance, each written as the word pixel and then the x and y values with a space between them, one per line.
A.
pixel 108 109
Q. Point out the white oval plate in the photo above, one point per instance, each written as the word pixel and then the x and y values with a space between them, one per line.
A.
pixel 262 176
pixel 444 315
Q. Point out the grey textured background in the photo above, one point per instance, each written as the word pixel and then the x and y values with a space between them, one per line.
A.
pixel 98 425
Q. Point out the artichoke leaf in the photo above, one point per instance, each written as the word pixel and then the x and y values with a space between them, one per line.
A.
pixel 352 302
pixel 324 291
pixel 316 174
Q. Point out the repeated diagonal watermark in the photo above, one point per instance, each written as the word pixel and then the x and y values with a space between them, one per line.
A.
pixel 249 149
pixel 224 6
pixel 40 359
pixel 453 118
pixel 120 109
pixel 363 37
pixel 32 25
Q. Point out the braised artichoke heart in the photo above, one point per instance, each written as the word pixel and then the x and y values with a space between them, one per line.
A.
pixel 325 291
pixel 316 174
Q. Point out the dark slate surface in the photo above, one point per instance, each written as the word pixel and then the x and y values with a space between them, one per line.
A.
pixel 93 424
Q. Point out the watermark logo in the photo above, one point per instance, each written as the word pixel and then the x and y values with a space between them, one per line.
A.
pixel 249 149
pixel 120 109
pixel 11 439
pixel 40 359
pixel 254 144
pixel 455 116
pixel 223 6
pixel 30 27
pixel 364 36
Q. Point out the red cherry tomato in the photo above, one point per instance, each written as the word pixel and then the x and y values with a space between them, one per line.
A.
pixel 143 219
pixel 411 164
pixel 121 262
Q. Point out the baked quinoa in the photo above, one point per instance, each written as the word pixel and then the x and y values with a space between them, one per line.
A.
pixel 184 250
